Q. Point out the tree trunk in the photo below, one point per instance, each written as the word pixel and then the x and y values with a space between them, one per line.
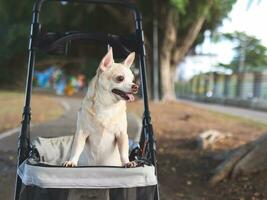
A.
pixel 171 54
pixel 166 90
pixel 168 43
pixel 173 78
pixel 15 74
pixel 248 159
pixel 257 84
pixel 226 86
pixel 188 41
pixel 239 85
pixel 206 85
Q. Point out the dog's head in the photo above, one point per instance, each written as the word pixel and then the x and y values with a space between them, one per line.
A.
pixel 117 78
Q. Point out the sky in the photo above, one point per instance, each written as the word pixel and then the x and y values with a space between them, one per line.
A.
pixel 252 20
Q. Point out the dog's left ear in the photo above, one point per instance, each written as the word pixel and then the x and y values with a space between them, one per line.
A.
pixel 107 60
pixel 129 60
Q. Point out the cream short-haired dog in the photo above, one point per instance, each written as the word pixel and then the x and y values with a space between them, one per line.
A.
pixel 101 135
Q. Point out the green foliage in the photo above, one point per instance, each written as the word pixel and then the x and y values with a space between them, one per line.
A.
pixel 190 10
pixel 14 26
pixel 15 19
pixel 219 11
pixel 214 17
pixel 180 5
pixel 254 53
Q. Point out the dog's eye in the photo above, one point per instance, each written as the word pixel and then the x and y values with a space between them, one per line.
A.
pixel 119 78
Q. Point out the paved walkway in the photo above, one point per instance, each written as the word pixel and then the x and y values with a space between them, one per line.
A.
pixel 255 115
pixel 65 125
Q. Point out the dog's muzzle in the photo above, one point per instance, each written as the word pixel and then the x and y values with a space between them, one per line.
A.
pixel 128 96
pixel 135 88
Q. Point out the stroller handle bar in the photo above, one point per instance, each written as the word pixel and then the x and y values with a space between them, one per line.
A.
pixel 35 28
pixel 125 3
pixel 24 136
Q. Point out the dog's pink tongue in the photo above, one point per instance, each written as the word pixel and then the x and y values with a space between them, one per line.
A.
pixel 131 97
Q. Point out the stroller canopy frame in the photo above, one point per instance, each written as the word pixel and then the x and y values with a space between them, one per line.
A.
pixel 57 43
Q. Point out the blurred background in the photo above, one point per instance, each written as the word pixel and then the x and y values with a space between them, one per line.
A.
pixel 206 71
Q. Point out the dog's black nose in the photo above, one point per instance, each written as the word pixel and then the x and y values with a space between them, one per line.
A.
pixel 135 88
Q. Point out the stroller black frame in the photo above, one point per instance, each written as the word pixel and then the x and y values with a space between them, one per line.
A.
pixel 148 145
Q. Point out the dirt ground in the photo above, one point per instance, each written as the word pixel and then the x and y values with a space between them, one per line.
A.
pixel 184 171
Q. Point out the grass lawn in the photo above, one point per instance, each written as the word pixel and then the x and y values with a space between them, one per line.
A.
pixel 11 106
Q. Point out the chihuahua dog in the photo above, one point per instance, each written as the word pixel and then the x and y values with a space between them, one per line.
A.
pixel 101 135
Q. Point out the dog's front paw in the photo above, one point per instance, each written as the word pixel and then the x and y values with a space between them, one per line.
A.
pixel 130 164
pixel 70 164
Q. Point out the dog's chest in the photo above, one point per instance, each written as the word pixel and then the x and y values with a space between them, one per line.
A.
pixel 110 119
pixel 103 120
pixel 105 125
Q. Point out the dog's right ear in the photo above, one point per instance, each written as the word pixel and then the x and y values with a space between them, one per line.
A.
pixel 107 60
pixel 129 60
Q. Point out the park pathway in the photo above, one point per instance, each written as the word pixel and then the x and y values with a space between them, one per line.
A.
pixel 65 125
pixel 255 115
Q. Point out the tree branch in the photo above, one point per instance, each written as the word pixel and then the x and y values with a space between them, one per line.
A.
pixel 193 31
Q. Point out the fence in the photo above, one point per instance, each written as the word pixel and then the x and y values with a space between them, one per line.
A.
pixel 239 89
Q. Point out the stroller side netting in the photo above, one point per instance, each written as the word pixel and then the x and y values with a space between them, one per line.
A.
pixel 44 178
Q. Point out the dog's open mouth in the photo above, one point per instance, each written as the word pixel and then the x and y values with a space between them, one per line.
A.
pixel 128 96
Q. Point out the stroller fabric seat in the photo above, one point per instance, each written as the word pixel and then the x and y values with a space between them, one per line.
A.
pixel 44 176
pixel 86 177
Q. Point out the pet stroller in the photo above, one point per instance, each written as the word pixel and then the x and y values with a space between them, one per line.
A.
pixel 40 175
